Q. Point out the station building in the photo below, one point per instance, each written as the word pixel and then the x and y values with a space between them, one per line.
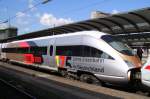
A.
pixel 8 33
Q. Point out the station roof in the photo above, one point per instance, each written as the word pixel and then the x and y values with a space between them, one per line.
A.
pixel 137 21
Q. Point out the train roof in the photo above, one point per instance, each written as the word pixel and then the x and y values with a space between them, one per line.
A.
pixel 93 33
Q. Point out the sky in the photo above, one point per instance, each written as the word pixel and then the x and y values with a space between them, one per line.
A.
pixel 32 15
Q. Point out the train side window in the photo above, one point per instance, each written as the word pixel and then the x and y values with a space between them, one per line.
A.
pixel 41 50
pixel 18 50
pixel 51 50
pixel 9 50
pixel 38 50
pixel 64 50
pixel 86 51
pixel 69 50
pixel 44 50
pixel 95 52
pixel 77 50
pixel 14 50
pixel 106 56
pixel 31 50
pixel 3 50
pixel 91 52
pixel 59 50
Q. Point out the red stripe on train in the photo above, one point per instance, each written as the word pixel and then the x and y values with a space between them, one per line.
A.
pixel 24 44
pixel 29 58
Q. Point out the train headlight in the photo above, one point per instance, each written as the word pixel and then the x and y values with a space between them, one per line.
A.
pixel 129 63
pixel 129 75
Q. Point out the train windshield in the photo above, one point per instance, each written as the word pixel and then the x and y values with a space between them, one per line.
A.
pixel 118 45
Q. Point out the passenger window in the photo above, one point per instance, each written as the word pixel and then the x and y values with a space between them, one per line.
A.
pixel 91 52
pixel 106 56
pixel 32 50
pixel 38 50
pixel 60 50
pixel 87 51
pixel 69 50
pixel 95 52
pixel 77 50
pixel 51 50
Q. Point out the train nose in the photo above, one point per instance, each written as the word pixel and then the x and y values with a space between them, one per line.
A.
pixel 134 75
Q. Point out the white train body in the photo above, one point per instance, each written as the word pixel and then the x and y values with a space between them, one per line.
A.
pixel 86 52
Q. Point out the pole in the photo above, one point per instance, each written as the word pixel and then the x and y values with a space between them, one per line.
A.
pixel 46 1
pixel 8 20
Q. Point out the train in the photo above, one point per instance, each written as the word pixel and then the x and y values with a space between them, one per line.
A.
pixel 89 55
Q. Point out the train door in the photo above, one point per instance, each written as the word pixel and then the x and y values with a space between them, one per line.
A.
pixel 51 54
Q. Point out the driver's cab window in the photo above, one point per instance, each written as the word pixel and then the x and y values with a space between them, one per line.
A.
pixel 94 52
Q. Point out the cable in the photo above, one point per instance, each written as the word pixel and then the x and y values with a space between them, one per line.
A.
pixel 85 7
pixel 24 11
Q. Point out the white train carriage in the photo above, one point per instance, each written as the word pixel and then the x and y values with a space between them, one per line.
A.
pixel 88 54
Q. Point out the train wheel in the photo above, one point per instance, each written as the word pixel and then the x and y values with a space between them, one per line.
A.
pixel 89 79
pixel 7 60
pixel 63 73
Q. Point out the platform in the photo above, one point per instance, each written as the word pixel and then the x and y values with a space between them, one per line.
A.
pixel 43 84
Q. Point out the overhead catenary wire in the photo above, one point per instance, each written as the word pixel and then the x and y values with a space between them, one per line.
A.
pixel 82 8
pixel 85 7
pixel 63 13
pixel 24 11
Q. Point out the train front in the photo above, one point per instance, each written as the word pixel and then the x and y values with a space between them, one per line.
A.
pixel 130 64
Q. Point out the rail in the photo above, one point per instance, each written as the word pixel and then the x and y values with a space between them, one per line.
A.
pixel 17 89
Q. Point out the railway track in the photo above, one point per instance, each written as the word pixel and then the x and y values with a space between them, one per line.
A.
pixel 107 90
pixel 138 90
pixel 9 91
